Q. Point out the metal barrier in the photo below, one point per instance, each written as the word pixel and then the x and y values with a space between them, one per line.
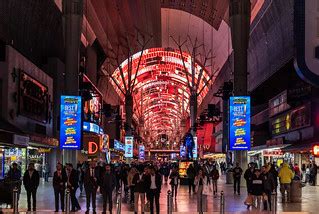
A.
pixel 169 202
pixel 15 200
pixel 67 200
pixel 119 200
pixel 222 202
pixel 274 202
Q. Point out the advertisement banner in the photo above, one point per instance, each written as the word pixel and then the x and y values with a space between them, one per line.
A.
pixel 182 151
pixel 129 140
pixel 195 152
pixel 141 152
pixel 70 122
pixel 239 123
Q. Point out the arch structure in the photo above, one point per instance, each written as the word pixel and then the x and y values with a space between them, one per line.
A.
pixel 161 87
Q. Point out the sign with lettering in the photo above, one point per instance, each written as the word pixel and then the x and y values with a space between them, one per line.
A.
pixel 92 127
pixel 195 148
pixel 129 141
pixel 70 122
pixel 141 152
pixel 239 123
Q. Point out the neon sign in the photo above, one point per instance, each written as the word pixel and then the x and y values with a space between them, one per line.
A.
pixel 70 122
pixel 239 123
pixel 129 146
pixel 93 148
pixel 141 152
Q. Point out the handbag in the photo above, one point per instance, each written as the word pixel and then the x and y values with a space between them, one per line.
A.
pixel 249 200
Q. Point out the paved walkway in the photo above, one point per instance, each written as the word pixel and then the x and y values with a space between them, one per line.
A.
pixel 185 203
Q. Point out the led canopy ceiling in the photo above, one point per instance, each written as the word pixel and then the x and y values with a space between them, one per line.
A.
pixel 161 91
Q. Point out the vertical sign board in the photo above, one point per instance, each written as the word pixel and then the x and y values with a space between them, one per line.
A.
pixel 141 152
pixel 195 148
pixel 70 122
pixel 239 123
pixel 129 146
pixel 182 151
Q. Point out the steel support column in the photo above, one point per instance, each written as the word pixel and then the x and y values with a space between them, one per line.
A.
pixel 193 111
pixel 72 21
pixel 129 113
pixel 239 15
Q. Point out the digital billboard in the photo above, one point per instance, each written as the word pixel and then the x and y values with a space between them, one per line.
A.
pixel 239 123
pixel 195 148
pixel 129 140
pixel 70 122
pixel 182 151
pixel 141 152
pixel 92 127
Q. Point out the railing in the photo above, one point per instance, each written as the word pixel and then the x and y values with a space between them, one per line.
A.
pixel 67 201
pixel 15 200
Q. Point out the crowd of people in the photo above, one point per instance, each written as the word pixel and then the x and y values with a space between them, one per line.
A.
pixel 142 183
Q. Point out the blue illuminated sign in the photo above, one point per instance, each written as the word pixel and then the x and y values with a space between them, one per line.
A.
pixel 129 140
pixel 70 122
pixel 92 127
pixel 195 148
pixel 119 146
pixel 182 151
pixel 141 152
pixel 239 123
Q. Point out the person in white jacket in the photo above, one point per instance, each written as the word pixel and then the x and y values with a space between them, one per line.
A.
pixel 202 189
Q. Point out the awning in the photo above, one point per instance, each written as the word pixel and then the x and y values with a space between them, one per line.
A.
pixel 300 148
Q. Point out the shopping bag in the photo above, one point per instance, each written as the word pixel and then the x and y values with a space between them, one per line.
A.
pixel 249 200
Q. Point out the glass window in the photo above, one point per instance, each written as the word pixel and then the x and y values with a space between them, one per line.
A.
pixel 278 104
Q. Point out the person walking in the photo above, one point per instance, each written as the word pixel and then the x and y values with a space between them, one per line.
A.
pixel 108 185
pixel 202 190
pixel 130 177
pixel 91 178
pixel 154 179
pixel 248 176
pixel 72 185
pixel 80 170
pixel 46 171
pixel 285 175
pixel 140 182
pixel 215 176
pixel 191 178
pixel 59 181
pixel 31 180
pixel 174 176
pixel 14 177
pixel 257 189
pixel 269 186
pixel 237 172
pixel 313 173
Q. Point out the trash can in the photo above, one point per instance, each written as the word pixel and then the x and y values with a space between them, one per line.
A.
pixel 229 177
pixel 296 191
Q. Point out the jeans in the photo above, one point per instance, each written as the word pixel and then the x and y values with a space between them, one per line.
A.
pixel 237 185
pixel 32 193
pixel 267 203
pixel 201 200
pixel 89 194
pixel 154 194
pixel 191 185
pixel 59 194
pixel 283 189
pixel 107 198
pixel 132 194
pixel 214 186
pixel 74 200
pixel 136 196
pixel 174 190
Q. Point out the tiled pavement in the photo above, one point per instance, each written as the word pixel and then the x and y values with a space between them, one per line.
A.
pixel 185 203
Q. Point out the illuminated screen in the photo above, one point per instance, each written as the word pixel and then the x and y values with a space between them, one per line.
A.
pixel 129 146
pixel 70 122
pixel 141 152
pixel 182 151
pixel 182 168
pixel 195 148
pixel 239 122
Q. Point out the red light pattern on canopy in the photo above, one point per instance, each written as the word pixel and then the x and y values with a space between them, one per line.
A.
pixel 161 93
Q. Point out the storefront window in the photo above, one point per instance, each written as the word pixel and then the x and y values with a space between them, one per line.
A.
pixel 278 104
pixel 15 155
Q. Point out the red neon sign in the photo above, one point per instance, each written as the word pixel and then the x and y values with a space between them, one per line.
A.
pixel 93 148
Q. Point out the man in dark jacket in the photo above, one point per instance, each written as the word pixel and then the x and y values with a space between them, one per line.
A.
pixel 31 180
pixel 108 185
pixel 91 179
pixel 154 180
pixel 269 185
pixel 140 182
pixel 191 177
pixel 237 172
pixel 248 175
pixel 72 185
pixel 59 181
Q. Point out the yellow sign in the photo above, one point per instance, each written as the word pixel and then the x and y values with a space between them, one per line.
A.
pixel 44 150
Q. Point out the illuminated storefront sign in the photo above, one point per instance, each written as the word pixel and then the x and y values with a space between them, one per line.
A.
pixel 93 148
pixel 92 127
pixel 195 151
pixel 182 152
pixel 105 142
pixel 239 122
pixel 315 150
pixel 119 146
pixel 129 140
pixel 141 152
pixel 70 122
